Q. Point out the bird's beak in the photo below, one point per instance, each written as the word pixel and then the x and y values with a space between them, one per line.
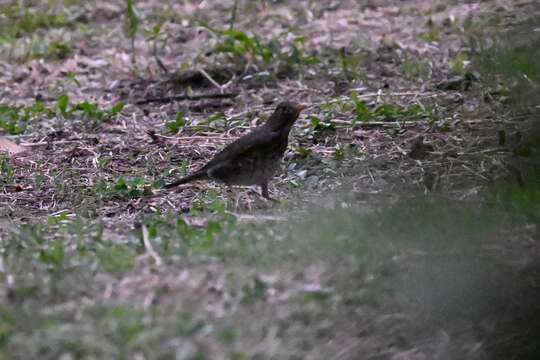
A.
pixel 300 107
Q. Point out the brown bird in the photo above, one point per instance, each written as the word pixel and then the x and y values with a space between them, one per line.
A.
pixel 254 158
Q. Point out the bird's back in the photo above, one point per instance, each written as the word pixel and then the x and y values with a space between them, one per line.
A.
pixel 251 159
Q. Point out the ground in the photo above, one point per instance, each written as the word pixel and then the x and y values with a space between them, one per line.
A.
pixel 393 237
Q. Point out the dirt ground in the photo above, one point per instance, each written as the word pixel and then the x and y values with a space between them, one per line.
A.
pixel 386 243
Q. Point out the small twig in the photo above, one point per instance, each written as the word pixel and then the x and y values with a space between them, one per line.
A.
pixel 155 137
pixel 474 172
pixel 186 97
pixel 148 246
pixel 209 78
pixel 487 151
pixel 161 65
pixel 371 176
pixel 379 94
pixel 380 123
pixel 256 218
pixel 59 142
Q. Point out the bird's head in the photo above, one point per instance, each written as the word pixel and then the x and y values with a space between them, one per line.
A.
pixel 285 115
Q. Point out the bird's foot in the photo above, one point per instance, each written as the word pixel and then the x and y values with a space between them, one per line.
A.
pixel 269 198
pixel 266 194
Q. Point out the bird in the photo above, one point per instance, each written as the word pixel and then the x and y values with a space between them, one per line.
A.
pixel 254 158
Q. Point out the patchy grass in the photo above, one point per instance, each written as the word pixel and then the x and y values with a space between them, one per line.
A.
pixel 14 119
pixel 77 278
pixel 371 250
pixel 19 22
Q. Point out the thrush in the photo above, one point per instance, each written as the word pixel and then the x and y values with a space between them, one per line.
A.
pixel 254 158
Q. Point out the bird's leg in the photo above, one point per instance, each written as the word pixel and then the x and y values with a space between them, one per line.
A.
pixel 234 195
pixel 264 192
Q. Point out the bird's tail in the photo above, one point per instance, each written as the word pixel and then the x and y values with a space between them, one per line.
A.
pixel 198 175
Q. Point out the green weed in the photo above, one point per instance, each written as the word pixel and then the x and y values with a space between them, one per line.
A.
pixel 416 70
pixel 15 119
pixel 459 63
pixel 385 111
pixel 432 35
pixel 339 151
pixel 125 323
pixel 361 110
pixel 303 152
pixel 131 25
pixel 39 48
pixel 240 44
pixel 7 171
pixel 319 125
pixel 349 64
pixel 173 236
pixel 128 189
pixel 8 325
pixel 53 254
pixel 22 23
pixel 155 34
pixel 177 124
pixel 283 54
pixel 521 201
pixel 214 122
pixel 188 326
pixel 115 258
pixel 58 50
pixel 159 40
pixel 86 110
pixel 254 291
pixel 509 62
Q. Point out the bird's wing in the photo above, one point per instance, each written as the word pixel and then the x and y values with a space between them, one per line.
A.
pixel 258 140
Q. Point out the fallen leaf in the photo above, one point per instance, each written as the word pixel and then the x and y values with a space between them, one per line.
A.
pixel 10 147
